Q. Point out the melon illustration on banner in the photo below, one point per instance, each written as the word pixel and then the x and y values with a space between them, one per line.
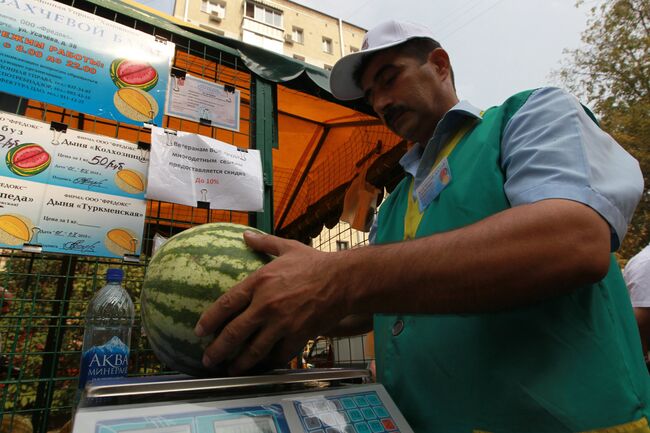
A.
pixel 121 241
pixel 15 229
pixel 130 181
pixel 135 104
pixel 134 79
pixel 28 159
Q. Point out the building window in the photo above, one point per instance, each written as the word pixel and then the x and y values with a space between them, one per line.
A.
pixel 327 45
pixel 272 17
pixel 353 49
pixel 215 8
pixel 342 245
pixel 327 67
pixel 298 36
pixel 297 57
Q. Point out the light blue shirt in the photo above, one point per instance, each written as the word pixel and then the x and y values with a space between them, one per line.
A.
pixel 550 149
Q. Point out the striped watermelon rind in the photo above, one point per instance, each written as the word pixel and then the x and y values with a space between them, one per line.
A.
pixel 185 276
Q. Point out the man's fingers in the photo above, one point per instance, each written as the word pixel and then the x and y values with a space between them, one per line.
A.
pixel 224 308
pixel 231 338
pixel 266 243
pixel 255 351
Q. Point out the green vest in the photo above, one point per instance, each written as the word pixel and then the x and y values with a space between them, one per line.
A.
pixel 568 364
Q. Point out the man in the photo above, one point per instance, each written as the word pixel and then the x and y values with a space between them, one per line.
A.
pixel 637 278
pixel 497 304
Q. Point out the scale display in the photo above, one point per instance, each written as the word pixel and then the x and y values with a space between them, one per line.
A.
pixel 267 419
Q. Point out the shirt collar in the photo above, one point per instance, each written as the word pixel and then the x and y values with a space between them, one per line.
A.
pixel 463 109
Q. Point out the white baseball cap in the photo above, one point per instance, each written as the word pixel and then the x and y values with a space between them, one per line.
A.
pixel 383 36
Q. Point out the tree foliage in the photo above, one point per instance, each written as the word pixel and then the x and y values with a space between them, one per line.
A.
pixel 611 73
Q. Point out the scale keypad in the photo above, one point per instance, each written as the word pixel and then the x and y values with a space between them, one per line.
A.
pixel 354 413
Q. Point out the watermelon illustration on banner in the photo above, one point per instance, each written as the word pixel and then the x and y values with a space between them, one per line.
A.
pixel 28 159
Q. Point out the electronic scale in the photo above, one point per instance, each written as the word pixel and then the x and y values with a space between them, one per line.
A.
pixel 283 401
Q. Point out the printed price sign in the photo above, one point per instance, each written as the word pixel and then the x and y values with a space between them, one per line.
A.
pixel 70 192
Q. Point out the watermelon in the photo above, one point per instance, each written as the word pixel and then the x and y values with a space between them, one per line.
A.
pixel 28 159
pixel 133 73
pixel 185 276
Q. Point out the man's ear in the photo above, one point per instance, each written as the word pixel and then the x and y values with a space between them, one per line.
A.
pixel 439 60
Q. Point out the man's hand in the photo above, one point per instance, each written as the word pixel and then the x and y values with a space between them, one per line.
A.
pixel 272 313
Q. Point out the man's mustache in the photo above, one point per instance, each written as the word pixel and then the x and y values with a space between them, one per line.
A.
pixel 392 113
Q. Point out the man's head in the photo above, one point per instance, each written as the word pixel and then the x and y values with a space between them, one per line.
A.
pixel 404 75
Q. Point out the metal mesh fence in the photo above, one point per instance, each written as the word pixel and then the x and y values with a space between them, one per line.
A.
pixel 357 351
pixel 44 296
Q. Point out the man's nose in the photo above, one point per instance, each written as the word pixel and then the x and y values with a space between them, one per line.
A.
pixel 381 104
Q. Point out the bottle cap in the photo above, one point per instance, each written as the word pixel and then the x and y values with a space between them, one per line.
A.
pixel 114 274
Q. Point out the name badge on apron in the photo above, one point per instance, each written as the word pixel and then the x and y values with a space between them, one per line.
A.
pixel 433 184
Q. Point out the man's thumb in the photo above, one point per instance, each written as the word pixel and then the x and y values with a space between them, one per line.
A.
pixel 263 243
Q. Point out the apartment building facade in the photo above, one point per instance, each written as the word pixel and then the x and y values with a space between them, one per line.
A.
pixel 281 26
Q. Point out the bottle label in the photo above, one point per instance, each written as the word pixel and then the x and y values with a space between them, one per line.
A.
pixel 108 360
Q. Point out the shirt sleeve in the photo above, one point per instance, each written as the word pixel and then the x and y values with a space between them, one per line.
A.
pixel 551 148
pixel 372 236
pixel 637 278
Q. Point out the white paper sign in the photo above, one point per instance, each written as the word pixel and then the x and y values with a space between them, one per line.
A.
pixel 187 168
pixel 201 100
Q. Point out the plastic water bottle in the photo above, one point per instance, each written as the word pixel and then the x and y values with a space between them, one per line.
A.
pixel 107 334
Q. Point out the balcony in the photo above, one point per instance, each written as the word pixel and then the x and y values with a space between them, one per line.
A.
pixel 263 29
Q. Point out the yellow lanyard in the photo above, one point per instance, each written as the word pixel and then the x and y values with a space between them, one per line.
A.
pixel 413 215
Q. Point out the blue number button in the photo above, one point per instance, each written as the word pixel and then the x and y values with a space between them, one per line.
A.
pixel 362 427
pixel 368 413
pixel 348 403
pixel 381 412
pixel 355 415
pixel 373 400
pixel 361 401
pixel 376 426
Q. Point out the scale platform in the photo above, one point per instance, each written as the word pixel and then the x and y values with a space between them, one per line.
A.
pixel 283 401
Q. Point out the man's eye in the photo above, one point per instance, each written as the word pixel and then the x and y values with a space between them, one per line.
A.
pixel 388 80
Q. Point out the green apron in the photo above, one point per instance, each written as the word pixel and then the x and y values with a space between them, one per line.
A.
pixel 569 364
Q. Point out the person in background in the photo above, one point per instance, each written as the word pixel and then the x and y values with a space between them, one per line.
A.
pixel 637 278
pixel 6 299
pixel 496 302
